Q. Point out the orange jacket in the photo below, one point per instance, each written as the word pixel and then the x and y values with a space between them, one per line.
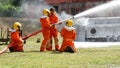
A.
pixel 68 39
pixel 45 24
pixel 68 34
pixel 53 18
pixel 15 38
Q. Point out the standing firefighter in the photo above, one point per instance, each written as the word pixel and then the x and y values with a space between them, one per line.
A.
pixel 16 40
pixel 53 19
pixel 45 29
pixel 69 34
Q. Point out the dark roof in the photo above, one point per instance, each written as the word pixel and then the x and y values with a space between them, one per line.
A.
pixel 69 1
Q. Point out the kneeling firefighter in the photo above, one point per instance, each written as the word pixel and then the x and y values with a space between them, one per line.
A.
pixel 69 34
pixel 16 40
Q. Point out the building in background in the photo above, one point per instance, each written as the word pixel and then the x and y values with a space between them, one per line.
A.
pixel 100 30
pixel 74 6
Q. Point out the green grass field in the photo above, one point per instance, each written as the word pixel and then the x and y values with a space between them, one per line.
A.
pixel 108 57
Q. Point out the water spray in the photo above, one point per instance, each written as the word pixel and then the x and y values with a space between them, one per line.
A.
pixel 61 21
pixel 100 8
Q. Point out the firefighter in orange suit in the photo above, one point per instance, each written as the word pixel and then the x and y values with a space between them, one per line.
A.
pixel 53 19
pixel 16 40
pixel 69 34
pixel 45 23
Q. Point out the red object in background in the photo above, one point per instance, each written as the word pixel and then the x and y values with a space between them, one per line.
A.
pixel 68 1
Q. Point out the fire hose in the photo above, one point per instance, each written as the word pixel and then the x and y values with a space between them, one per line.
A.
pixel 60 22
pixel 34 33
pixel 24 38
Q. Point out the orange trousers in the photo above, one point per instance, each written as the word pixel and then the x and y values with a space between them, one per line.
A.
pixel 16 47
pixel 54 34
pixel 46 40
pixel 66 44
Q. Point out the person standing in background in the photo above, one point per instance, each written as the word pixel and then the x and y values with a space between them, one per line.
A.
pixel 53 31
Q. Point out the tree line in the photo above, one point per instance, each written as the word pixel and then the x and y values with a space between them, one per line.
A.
pixel 10 8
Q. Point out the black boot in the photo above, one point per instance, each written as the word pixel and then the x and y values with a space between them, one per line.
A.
pixel 11 49
pixel 69 49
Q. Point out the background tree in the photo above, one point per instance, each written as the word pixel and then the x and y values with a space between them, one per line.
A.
pixel 10 8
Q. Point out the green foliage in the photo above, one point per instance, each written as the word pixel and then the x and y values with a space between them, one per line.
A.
pixel 11 2
pixel 10 8
pixel 16 2
pixel 6 1
pixel 6 10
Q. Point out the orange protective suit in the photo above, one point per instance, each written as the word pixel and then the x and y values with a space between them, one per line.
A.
pixel 68 39
pixel 45 31
pixel 53 31
pixel 16 42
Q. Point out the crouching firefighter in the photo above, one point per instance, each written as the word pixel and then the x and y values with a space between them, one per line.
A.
pixel 16 40
pixel 69 34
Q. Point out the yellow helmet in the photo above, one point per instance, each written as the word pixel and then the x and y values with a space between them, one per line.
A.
pixel 69 23
pixel 16 26
pixel 46 12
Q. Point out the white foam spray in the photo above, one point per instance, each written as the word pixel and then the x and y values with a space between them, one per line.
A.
pixel 102 10
pixel 106 10
pixel 95 44
pixel 63 15
pixel 33 9
pixel 81 21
